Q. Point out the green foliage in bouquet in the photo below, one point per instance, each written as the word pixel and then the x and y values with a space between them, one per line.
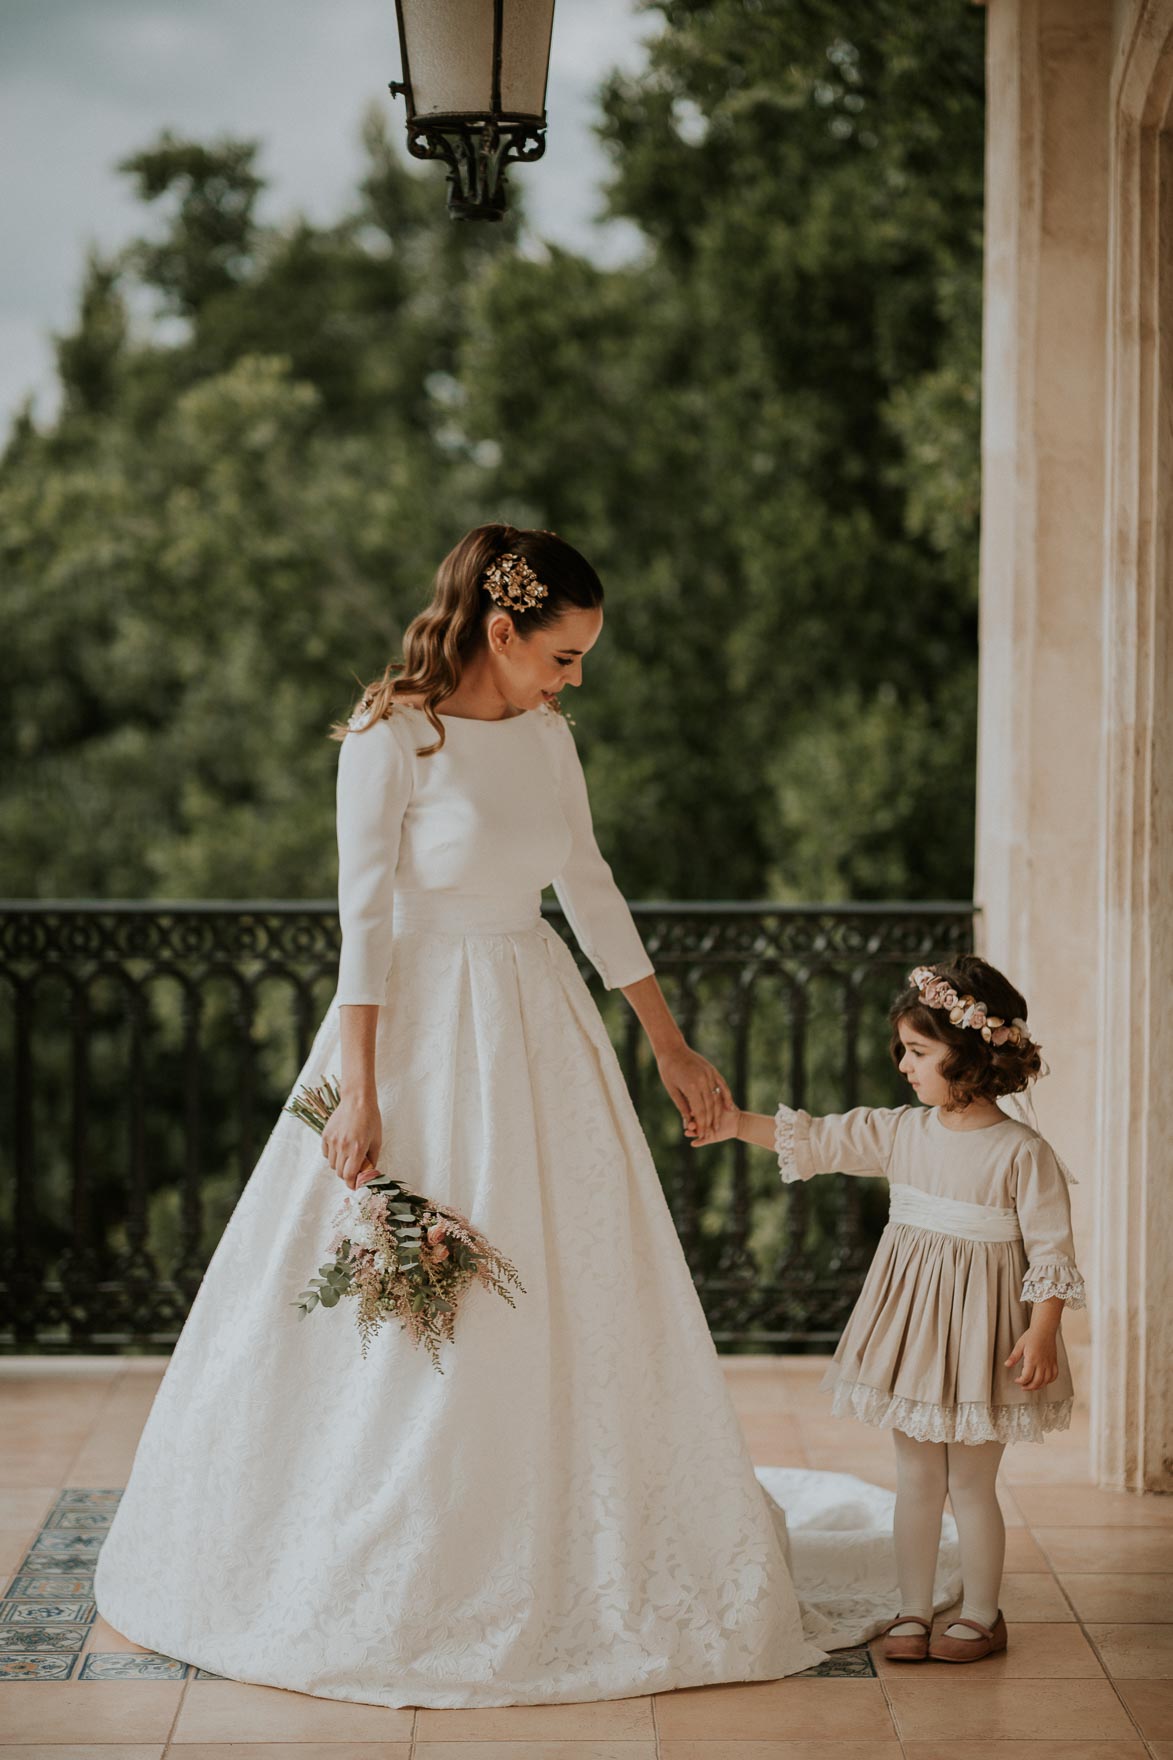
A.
pixel 400 1255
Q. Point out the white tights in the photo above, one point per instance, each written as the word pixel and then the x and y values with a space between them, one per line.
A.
pixel 925 1471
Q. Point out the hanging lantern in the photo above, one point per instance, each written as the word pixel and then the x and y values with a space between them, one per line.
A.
pixel 474 80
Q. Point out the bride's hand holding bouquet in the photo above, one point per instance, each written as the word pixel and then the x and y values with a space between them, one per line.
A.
pixel 401 1255
pixel 353 1137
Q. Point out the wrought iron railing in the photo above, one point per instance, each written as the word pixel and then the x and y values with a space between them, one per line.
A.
pixel 151 1047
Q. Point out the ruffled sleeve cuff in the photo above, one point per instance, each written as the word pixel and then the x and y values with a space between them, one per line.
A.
pixel 792 1142
pixel 1056 1277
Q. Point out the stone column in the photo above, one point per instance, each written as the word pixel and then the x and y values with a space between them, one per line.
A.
pixel 1132 1415
pixel 1075 783
pixel 1044 469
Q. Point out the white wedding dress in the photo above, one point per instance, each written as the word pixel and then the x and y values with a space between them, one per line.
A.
pixel 568 1512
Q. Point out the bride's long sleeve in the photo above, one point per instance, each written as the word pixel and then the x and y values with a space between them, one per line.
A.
pixel 374 786
pixel 595 908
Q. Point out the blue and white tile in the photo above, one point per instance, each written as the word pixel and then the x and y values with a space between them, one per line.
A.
pixel 17 1612
pixel 123 1665
pixel 64 1637
pixel 14 1667
pixel 54 1552
pixel 51 1586
pixel 843 1665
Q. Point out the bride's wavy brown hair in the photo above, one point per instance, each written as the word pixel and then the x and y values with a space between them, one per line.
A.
pixel 438 644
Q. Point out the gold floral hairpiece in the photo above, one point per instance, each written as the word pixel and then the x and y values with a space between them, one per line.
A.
pixel 512 583
pixel 965 1011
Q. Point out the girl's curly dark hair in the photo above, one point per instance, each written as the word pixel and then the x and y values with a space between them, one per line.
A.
pixel 973 1068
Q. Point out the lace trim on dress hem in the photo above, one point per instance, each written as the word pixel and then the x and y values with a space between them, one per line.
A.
pixel 1055 1279
pixel 786 1121
pixel 968 1422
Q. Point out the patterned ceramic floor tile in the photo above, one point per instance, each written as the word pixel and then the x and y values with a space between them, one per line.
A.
pixel 843 1665
pixel 64 1636
pixel 14 1667
pixel 121 1665
pixel 16 1612
pixel 51 1586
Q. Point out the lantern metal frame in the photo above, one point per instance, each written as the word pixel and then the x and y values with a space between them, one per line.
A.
pixel 477 146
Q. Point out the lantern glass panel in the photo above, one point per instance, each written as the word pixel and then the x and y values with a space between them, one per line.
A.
pixel 525 55
pixel 449 55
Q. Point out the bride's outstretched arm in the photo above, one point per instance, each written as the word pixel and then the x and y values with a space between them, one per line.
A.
pixel 698 1090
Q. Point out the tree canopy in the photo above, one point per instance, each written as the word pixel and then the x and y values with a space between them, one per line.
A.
pixel 763 431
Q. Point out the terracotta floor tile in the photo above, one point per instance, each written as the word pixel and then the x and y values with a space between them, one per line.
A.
pixel 1083 1506
pixel 768 1710
pixel 875 1470
pixel 1033 1595
pixel 968 1704
pixel 1122 1750
pixel 1151 1703
pixel 104 1637
pixel 230 1711
pixel 289 1751
pixel 806 1396
pixel 774 1441
pixel 845 1435
pixel 875 1749
pixel 523 1750
pixel 1011 1511
pixel 14 1543
pixel 756 1388
pixel 614 1720
pixel 1066 1458
pixel 1124 1597
pixel 88 1711
pixel 27 1508
pixel 1161 1750
pixel 48 1368
pixel 1023 1552
pixel 1107 1549
pixel 1135 1652
pixel 1037 1651
pixel 105 1466
pixel 74 1751
pixel 17 1473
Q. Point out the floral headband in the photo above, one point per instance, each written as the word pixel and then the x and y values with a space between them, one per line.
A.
pixel 512 583
pixel 966 1011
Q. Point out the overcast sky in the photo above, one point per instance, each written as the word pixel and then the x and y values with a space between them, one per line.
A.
pixel 84 82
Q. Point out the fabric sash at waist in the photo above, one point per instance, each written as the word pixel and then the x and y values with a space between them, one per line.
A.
pixel 467 913
pixel 971 1222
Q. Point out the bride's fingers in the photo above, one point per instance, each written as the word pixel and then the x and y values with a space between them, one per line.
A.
pixel 707 1110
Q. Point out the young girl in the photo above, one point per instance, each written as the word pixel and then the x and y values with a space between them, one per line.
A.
pixel 954 1342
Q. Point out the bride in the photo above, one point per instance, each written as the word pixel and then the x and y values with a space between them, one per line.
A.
pixel 569 1511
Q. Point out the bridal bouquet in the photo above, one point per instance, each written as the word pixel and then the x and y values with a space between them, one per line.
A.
pixel 403 1257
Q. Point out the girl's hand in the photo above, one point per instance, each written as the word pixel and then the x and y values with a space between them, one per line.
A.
pixel 727 1125
pixel 1039 1357
pixel 698 1090
pixel 352 1139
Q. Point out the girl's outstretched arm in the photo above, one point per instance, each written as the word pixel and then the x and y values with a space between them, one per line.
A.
pixel 858 1141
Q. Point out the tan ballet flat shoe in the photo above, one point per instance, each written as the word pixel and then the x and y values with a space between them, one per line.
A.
pixel 992 1639
pixel 911 1646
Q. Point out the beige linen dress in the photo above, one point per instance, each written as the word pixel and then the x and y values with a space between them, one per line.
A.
pixel 979 1227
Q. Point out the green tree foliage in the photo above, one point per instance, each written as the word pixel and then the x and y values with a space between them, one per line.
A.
pixel 763 430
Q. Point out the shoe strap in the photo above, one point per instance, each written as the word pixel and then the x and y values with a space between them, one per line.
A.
pixel 986 1631
pixel 907 1619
